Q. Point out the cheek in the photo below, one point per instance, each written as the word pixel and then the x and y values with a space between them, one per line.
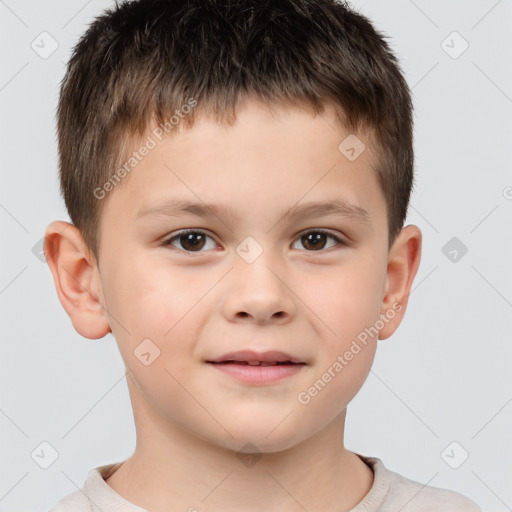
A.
pixel 149 294
pixel 345 300
pixel 160 310
pixel 156 302
pixel 347 303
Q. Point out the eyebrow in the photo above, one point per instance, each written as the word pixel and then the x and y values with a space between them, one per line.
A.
pixel 177 207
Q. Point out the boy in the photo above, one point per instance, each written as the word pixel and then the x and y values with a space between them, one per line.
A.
pixel 238 175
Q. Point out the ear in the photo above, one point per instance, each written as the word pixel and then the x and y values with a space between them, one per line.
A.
pixel 77 279
pixel 403 262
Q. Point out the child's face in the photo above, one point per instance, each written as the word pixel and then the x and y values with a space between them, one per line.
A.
pixel 253 281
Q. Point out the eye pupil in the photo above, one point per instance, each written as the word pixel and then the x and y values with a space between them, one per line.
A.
pixel 315 240
pixel 187 241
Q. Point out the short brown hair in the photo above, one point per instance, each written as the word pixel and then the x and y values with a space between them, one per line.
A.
pixel 142 60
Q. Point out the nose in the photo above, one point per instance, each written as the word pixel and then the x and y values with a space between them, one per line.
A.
pixel 258 293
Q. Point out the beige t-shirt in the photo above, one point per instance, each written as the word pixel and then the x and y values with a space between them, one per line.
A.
pixel 390 492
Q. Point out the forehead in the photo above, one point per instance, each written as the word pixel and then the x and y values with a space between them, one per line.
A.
pixel 269 157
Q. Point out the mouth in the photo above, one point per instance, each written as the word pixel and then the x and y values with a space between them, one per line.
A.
pixel 258 368
pixel 250 357
pixel 255 363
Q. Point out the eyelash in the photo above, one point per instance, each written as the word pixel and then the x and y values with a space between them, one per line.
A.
pixel 168 242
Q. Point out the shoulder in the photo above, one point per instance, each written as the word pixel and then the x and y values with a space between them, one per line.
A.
pixel 75 502
pixel 95 495
pixel 406 495
pixel 419 497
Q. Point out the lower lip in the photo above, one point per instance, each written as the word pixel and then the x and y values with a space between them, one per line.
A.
pixel 253 374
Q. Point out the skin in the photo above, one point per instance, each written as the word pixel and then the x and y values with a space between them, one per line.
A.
pixel 193 421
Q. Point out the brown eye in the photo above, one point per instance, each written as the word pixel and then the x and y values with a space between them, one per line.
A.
pixel 317 240
pixel 189 240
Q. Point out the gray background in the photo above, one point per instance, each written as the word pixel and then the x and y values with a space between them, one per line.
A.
pixel 443 377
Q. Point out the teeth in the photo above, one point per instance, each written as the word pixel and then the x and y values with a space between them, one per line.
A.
pixel 258 363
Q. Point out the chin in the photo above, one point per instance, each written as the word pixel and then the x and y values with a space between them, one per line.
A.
pixel 260 438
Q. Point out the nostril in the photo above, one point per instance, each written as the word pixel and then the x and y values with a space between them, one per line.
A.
pixel 244 314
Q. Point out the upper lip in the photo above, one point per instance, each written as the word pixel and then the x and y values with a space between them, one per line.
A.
pixel 250 356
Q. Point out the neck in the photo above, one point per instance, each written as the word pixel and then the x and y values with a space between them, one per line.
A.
pixel 172 466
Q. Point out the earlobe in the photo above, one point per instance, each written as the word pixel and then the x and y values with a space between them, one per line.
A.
pixel 403 263
pixel 76 279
